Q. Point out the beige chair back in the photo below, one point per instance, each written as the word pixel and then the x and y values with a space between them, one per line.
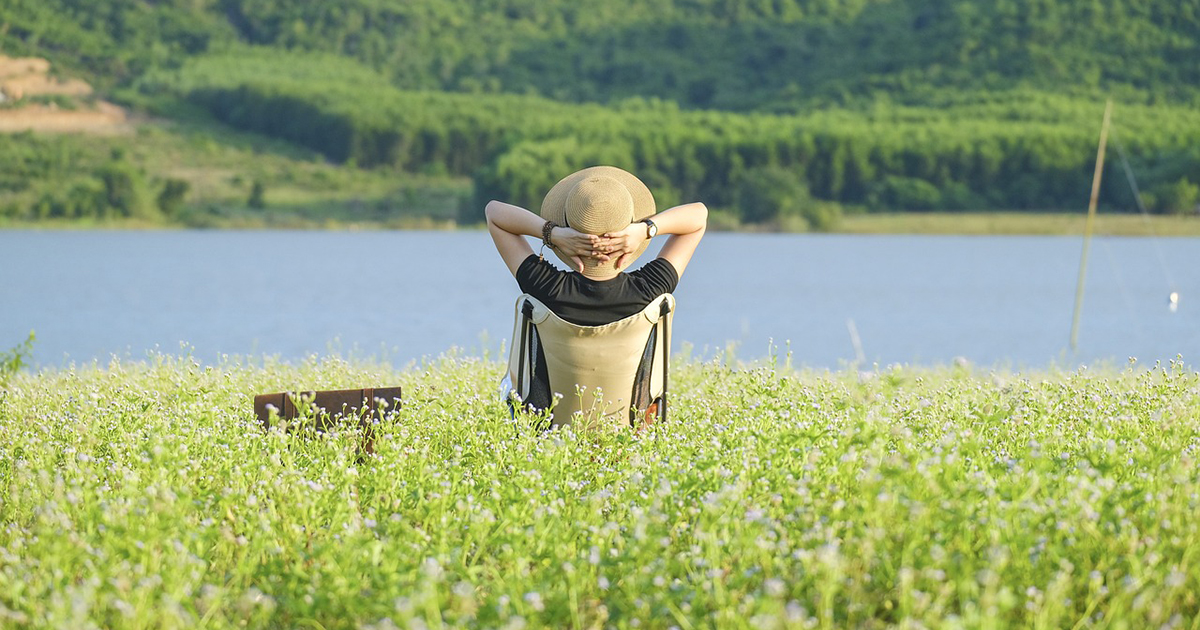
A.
pixel 593 368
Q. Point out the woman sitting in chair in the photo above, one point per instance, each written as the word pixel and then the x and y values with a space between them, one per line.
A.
pixel 597 221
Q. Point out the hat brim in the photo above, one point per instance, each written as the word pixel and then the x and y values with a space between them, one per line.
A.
pixel 554 209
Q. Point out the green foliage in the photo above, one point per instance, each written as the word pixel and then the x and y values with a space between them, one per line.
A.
pixel 884 104
pixel 1178 197
pixel 258 192
pixel 170 199
pixel 25 159
pixel 112 40
pixel 1023 150
pixel 906 193
pixel 187 166
pixel 62 178
pixel 777 55
pixel 87 198
pixel 764 192
pixel 126 193
pixel 773 194
pixel 13 359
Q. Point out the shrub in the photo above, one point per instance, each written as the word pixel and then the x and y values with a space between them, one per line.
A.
pixel 905 193
pixel 1180 197
pixel 170 199
pixel 769 193
pixel 773 194
pixel 11 361
pixel 258 192
pixel 85 199
pixel 125 189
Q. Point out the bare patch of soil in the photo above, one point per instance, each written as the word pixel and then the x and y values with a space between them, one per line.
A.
pixel 22 78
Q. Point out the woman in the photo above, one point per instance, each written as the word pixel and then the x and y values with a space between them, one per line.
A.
pixel 597 221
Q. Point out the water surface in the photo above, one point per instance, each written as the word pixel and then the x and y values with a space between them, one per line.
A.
pixel 402 296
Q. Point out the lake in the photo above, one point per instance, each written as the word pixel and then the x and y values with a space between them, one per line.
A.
pixel 833 300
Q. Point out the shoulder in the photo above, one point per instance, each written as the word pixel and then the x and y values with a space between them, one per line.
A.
pixel 529 265
pixel 535 274
pixel 659 267
pixel 657 276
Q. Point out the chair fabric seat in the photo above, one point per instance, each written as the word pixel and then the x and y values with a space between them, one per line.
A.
pixel 602 374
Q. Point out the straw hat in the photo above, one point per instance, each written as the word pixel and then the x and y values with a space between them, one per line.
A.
pixel 597 200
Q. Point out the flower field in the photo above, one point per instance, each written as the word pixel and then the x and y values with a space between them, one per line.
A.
pixel 145 495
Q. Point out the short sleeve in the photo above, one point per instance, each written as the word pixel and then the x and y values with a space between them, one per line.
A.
pixel 656 278
pixel 537 277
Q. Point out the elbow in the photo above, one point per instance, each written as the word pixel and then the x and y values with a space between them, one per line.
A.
pixel 490 210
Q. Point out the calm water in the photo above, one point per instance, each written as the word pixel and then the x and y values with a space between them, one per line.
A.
pixel 407 295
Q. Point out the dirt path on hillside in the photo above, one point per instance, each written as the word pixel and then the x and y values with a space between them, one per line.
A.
pixel 22 78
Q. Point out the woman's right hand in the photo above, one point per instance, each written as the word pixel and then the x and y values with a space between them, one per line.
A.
pixel 623 243
pixel 576 245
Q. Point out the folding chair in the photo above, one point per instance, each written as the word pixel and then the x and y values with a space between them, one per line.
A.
pixel 615 373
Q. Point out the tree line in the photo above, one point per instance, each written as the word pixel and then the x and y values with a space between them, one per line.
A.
pixel 1028 151
pixel 771 108
pixel 745 55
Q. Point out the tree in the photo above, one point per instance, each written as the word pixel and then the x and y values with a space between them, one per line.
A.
pixel 125 190
pixel 773 194
pixel 170 198
pixel 1179 197
pixel 258 192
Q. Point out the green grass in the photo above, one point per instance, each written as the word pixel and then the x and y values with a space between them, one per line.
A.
pixel 302 189
pixel 144 495
pixel 220 166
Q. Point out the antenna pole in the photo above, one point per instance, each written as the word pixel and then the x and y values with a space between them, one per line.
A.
pixel 1087 227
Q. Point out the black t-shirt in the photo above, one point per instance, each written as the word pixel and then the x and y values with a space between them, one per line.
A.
pixel 586 302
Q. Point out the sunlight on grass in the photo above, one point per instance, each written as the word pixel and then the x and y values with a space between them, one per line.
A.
pixel 146 495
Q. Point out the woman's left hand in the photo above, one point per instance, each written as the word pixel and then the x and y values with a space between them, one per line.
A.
pixel 623 243
pixel 575 245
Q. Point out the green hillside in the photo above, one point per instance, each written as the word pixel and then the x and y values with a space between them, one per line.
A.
pixel 783 111
pixel 727 54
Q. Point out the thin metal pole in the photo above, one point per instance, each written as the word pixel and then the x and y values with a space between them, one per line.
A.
pixel 1087 227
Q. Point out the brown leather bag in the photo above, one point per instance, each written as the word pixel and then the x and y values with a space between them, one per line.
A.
pixel 330 407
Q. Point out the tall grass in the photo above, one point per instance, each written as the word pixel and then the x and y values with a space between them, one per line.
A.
pixel 144 495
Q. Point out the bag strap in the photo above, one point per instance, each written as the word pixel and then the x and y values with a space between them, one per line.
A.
pixel 666 341
pixel 526 343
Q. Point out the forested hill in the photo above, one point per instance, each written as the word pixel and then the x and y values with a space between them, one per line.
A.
pixel 777 55
pixel 778 112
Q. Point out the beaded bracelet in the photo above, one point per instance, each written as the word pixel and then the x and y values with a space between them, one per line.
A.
pixel 546 229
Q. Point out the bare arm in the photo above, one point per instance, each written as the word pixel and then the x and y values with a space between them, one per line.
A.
pixel 509 225
pixel 683 224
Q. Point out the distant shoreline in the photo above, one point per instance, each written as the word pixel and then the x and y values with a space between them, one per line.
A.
pixel 916 223
pixel 1018 223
